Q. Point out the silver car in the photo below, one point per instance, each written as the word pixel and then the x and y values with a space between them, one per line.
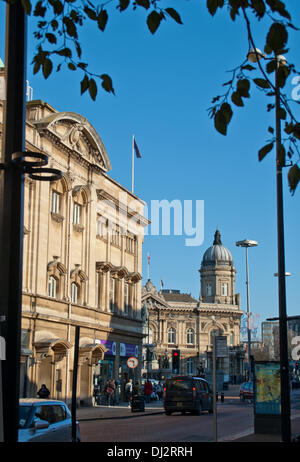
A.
pixel 44 420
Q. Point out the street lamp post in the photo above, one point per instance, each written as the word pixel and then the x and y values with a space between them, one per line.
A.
pixel 254 56
pixel 247 243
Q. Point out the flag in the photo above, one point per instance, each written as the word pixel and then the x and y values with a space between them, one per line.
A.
pixel 162 283
pixel 136 149
pixel 148 256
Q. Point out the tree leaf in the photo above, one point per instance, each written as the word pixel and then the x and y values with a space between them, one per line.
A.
pixel 143 3
pixel 277 37
pixel 84 84
pixel 262 83
pixel 173 13
pixel 236 99
pixel 220 122
pixel 153 21
pixel 51 38
pixel 102 19
pixel 259 8
pixel 212 6
pixel 93 89
pixel 226 111
pixel 107 83
pixel 124 4
pixel 243 86
pixel 294 177
pixel 265 150
pixel 271 66
pixel 47 67
pixel 282 113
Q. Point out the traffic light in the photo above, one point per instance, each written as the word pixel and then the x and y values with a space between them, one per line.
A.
pixel 175 361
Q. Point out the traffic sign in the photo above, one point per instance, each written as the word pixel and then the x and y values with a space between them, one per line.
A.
pixel 132 362
pixel 221 346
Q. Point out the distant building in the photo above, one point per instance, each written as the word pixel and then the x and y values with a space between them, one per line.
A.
pixel 179 321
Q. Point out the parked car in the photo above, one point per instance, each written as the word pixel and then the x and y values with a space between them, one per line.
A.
pixel 187 394
pixel 246 391
pixel 43 420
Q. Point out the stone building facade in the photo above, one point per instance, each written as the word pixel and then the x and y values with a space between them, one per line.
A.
pixel 83 238
pixel 179 321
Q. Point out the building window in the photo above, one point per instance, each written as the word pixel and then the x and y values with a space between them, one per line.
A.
pixel 52 287
pixel 76 214
pixel 116 236
pixel 101 227
pixel 190 366
pixel 126 298
pixel 112 295
pixel 130 244
pixel 55 202
pixel 208 289
pixel 74 292
pixel 171 335
pixel 190 337
pixel 224 288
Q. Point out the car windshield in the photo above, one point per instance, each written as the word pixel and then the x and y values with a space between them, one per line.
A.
pixel 179 384
pixel 24 416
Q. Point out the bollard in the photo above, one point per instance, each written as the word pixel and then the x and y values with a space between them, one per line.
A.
pixel 222 397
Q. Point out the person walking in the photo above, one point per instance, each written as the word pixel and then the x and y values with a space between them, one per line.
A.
pixel 109 391
pixel 148 391
pixel 128 391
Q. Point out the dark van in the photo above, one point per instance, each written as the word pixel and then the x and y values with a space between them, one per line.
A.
pixel 187 394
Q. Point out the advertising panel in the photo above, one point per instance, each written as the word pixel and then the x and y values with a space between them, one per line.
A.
pixel 267 388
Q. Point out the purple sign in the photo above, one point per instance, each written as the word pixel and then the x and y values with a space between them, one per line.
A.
pixel 110 345
pixel 127 349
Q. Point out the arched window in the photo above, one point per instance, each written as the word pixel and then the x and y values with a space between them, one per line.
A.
pixel 74 292
pixel 52 286
pixel 190 366
pixel 190 337
pixel 171 335
pixel 215 332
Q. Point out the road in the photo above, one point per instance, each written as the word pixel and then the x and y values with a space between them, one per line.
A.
pixel 231 419
pixel 234 419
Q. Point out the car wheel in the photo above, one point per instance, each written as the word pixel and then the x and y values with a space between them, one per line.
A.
pixel 168 412
pixel 199 409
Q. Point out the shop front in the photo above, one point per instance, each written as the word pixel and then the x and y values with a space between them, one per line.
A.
pixel 127 350
pixel 105 370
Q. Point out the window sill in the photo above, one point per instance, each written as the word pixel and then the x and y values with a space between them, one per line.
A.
pixel 57 217
pixel 78 228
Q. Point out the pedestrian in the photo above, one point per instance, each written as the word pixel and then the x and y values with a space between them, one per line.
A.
pixel 148 391
pixel 43 392
pixel 128 391
pixel 109 391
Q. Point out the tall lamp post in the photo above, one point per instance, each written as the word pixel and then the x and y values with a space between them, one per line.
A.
pixel 255 56
pixel 247 243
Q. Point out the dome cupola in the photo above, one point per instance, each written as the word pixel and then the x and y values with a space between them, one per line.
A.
pixel 217 253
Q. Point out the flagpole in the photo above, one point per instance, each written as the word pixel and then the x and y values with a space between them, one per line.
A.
pixel 132 173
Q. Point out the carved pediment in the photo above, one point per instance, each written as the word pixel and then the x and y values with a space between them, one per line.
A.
pixel 73 132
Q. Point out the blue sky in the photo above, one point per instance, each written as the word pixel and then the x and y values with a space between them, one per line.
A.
pixel 164 85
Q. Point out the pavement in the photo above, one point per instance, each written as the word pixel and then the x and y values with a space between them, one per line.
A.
pixel 122 411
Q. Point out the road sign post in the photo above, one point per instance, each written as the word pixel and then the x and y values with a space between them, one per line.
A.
pixel 219 351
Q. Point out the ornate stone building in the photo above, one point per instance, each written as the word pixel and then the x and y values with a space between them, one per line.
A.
pixel 83 239
pixel 179 321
